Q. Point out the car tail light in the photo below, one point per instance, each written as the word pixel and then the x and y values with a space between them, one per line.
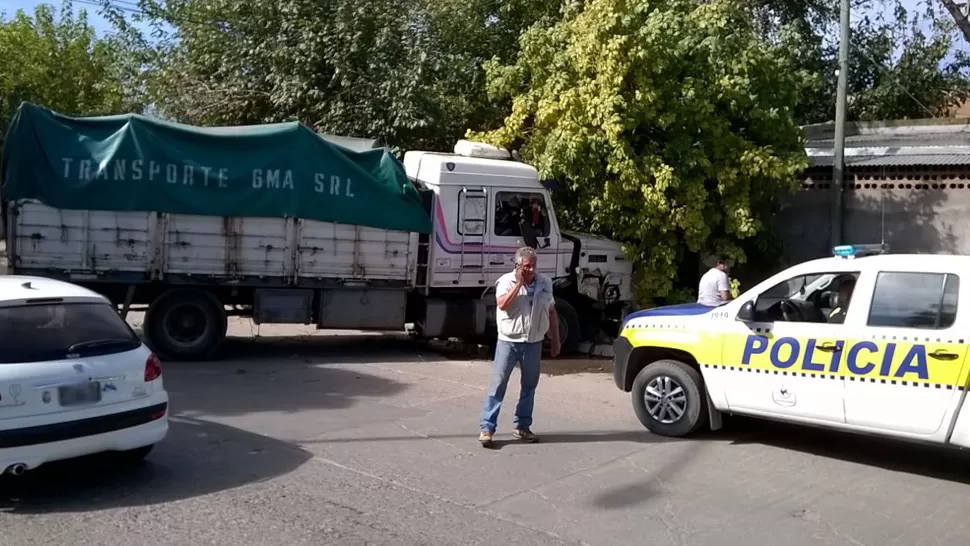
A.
pixel 153 368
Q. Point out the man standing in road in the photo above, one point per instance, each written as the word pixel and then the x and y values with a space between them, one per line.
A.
pixel 525 313
pixel 715 288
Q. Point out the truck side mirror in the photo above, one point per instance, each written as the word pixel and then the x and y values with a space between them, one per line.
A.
pixel 746 313
pixel 529 234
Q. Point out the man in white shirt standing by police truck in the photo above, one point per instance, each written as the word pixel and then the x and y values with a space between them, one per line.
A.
pixel 715 288
pixel 525 313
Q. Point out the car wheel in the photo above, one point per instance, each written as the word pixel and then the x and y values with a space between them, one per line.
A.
pixel 185 325
pixel 669 398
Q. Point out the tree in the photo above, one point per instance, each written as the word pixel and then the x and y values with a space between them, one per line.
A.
pixel 469 33
pixel 960 17
pixel 408 73
pixel 59 62
pixel 346 67
pixel 900 68
pixel 668 122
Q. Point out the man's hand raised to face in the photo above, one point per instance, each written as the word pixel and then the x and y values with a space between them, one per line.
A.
pixel 519 280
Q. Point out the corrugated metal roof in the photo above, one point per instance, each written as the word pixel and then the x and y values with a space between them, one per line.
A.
pixel 924 139
pixel 905 143
pixel 918 131
pixel 907 160
pixel 882 138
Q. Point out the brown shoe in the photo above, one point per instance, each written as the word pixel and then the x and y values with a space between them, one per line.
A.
pixel 525 435
pixel 485 438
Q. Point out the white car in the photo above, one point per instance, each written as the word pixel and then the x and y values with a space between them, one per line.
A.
pixel 75 379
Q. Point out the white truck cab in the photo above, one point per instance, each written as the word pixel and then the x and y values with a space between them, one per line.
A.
pixel 484 206
pixel 863 341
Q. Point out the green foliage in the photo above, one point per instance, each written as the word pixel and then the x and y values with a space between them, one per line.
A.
pixel 346 67
pixel 902 67
pixel 59 62
pixel 669 122
pixel 900 71
pixel 407 73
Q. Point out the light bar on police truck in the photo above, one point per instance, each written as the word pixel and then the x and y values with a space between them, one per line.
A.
pixel 854 251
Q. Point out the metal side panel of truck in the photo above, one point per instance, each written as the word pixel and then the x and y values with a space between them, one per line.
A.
pixel 85 243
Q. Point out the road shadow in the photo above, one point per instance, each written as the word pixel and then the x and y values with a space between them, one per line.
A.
pixel 388 347
pixel 641 491
pixel 502 440
pixel 912 458
pixel 351 347
pixel 346 348
pixel 283 384
pixel 197 458
pixel 584 437
pixel 564 364
pixel 894 455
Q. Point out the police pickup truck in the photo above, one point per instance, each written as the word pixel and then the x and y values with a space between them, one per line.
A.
pixel 864 341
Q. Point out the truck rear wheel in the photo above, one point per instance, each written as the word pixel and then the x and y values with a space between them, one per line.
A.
pixel 186 324
pixel 669 398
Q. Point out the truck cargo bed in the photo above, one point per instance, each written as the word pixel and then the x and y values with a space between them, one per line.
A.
pixel 145 246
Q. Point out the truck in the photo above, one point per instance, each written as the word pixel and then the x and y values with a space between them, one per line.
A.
pixel 865 341
pixel 280 224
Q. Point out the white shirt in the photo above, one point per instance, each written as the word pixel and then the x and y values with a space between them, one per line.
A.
pixel 527 318
pixel 709 290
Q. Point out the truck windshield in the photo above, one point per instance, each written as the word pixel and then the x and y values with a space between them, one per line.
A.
pixel 37 333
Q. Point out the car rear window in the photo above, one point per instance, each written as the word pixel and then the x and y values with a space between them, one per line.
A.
pixel 41 332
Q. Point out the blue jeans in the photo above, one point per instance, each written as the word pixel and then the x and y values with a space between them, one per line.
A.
pixel 507 354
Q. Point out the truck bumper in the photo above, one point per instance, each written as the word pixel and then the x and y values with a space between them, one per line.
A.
pixel 622 349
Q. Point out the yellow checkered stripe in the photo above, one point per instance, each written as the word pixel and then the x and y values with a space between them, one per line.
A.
pixel 922 362
pixel 860 379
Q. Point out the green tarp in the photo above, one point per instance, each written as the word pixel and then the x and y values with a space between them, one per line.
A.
pixel 135 163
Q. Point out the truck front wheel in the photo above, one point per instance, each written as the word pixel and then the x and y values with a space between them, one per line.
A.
pixel 570 333
pixel 569 330
pixel 185 325
pixel 669 398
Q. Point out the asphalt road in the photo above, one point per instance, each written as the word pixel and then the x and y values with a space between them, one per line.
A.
pixel 358 439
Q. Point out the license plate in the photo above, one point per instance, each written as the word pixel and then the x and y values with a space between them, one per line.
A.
pixel 76 395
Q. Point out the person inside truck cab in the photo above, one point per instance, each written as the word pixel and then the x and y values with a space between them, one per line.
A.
pixel 846 286
pixel 537 216
pixel 507 218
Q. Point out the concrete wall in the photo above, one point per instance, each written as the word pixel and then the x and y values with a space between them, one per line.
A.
pixel 927 211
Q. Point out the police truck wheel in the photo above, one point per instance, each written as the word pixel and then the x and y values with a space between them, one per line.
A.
pixel 185 325
pixel 669 400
